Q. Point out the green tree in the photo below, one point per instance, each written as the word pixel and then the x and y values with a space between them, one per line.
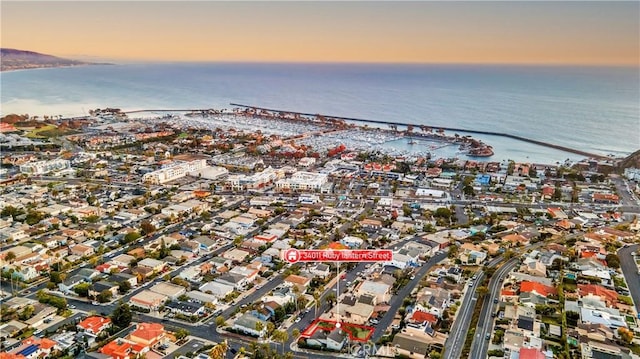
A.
pixel 147 227
pixel 625 335
pixel 27 312
pixel 124 287
pixel 181 333
pixel 82 289
pixel 105 296
pixel 259 327
pixel 10 257
pixel 612 260
pixel 220 322
pixel 164 250
pixel 468 190
pixel 280 336
pixel 11 211
pixel 121 316
pixel 270 328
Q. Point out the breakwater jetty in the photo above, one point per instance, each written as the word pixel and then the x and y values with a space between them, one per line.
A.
pixel 288 114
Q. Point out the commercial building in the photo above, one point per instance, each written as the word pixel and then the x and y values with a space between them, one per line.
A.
pixel 174 171
pixel 44 167
pixel 303 181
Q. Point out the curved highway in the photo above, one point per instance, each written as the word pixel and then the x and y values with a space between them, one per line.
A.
pixel 480 344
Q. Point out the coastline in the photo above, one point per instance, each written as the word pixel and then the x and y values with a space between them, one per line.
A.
pixel 51 67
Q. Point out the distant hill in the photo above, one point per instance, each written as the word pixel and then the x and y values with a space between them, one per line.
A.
pixel 12 59
pixel 633 160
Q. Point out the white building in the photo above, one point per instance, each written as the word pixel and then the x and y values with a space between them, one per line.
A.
pixel 257 180
pixel 303 181
pixel 44 167
pixel 174 171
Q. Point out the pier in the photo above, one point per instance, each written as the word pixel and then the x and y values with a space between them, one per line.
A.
pixel 410 125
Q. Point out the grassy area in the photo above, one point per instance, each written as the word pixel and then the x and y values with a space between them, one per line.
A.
pixel 619 282
pixel 625 299
pixel 472 328
pixel 326 325
pixel 552 320
pixel 56 132
pixel 357 332
pixel 36 133
pixel 50 131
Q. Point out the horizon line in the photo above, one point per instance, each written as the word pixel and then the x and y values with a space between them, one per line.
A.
pixel 364 62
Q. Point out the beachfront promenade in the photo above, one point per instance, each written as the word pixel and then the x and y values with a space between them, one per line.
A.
pixel 391 124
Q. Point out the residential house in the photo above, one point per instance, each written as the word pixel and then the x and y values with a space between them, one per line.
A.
pixel 156 265
pixel 148 300
pixel 236 281
pixel 170 290
pixel 299 281
pixel 186 308
pixel 67 285
pixel 320 270
pixel 206 243
pixel 235 255
pixel 101 286
pixel 433 300
pixel 352 242
pixel 124 277
pixel 609 296
pixel 94 325
pixel 380 290
pixel 353 311
pixel 192 274
pixel 532 293
pixel 142 273
pixel 471 254
pixel 123 260
pixel 217 289
pixel 247 324
pixel 148 334
pixel 119 349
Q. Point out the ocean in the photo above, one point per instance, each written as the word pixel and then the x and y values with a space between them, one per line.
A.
pixel 594 109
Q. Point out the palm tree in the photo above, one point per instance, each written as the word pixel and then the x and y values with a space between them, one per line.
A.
pixel 219 351
pixel 10 257
pixel 316 300
pixel 259 328
pixel 281 337
pixel 296 293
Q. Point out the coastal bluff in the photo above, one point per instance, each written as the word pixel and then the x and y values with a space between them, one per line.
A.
pixel 12 59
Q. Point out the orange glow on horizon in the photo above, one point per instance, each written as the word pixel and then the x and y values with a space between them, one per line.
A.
pixel 561 33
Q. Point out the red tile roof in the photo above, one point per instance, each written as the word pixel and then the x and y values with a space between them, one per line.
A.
pixel 117 351
pixel 44 343
pixel 610 296
pixel 4 355
pixel 95 324
pixel 421 317
pixel 337 245
pixel 148 331
pixel 539 288
pixel 531 353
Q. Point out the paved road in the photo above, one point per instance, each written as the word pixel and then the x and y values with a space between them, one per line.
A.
pixel 404 292
pixel 480 344
pixel 455 342
pixel 458 334
pixel 630 271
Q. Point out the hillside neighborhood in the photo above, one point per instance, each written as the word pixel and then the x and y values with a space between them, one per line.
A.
pixel 136 238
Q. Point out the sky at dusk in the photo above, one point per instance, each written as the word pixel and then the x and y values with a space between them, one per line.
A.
pixel 536 32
